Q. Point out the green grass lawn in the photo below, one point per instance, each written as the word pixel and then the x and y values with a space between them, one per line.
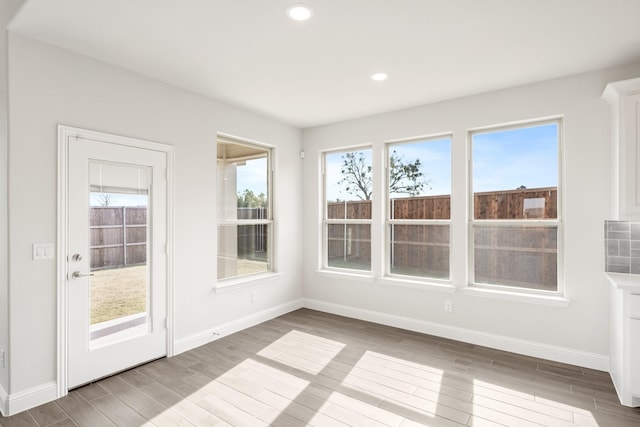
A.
pixel 118 292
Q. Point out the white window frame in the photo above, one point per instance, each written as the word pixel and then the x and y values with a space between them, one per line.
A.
pixel 326 221
pixel 269 221
pixel 390 221
pixel 551 223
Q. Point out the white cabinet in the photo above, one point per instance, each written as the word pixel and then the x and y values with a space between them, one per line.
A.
pixel 624 97
pixel 634 351
pixel 624 324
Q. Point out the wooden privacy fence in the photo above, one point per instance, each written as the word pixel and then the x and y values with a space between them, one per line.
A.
pixel 527 203
pixel 118 236
pixel 532 203
pixel 423 249
pixel 253 239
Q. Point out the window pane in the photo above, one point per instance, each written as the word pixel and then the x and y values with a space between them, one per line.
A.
pixel 517 256
pixel 420 250
pixel 119 291
pixel 243 194
pixel 515 173
pixel 419 181
pixel 348 184
pixel 252 182
pixel 243 249
pixel 243 181
pixel 349 246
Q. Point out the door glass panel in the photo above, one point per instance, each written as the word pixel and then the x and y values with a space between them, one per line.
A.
pixel 119 252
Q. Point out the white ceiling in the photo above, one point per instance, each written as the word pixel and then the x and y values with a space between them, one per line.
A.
pixel 250 54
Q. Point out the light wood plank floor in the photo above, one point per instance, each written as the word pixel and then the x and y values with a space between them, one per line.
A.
pixel 313 368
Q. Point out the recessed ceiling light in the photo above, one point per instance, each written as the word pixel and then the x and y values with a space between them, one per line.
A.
pixel 299 12
pixel 379 77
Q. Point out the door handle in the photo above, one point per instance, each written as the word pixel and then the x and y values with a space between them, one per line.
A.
pixel 77 274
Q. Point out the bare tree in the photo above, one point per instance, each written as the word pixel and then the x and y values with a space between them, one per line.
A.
pixel 404 177
pixel 105 199
pixel 356 175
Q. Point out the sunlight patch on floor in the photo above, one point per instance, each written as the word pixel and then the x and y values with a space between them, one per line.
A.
pixel 352 412
pixel 303 351
pixel 400 383
pixel 492 398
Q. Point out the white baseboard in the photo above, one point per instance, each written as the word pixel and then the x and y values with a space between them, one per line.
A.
pixel 21 401
pixel 500 342
pixel 212 334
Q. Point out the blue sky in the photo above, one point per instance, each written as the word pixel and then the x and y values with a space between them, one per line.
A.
pixel 505 160
pixel 252 176
pixel 119 199
pixel 333 164
pixel 502 160
pixel 435 156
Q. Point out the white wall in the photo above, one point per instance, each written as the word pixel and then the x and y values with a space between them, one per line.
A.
pixel 8 8
pixel 576 333
pixel 49 86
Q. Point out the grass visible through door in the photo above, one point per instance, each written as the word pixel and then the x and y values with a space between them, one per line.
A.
pixel 118 292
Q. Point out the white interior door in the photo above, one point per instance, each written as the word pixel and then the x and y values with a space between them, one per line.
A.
pixel 117 258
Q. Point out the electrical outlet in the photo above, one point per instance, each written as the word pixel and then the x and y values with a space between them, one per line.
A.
pixel 254 296
pixel 448 306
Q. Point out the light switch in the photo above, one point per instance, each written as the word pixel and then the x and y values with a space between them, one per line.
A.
pixel 42 251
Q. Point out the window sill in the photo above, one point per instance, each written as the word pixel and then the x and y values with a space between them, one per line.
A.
pixel 345 275
pixel 227 285
pixel 549 300
pixel 443 286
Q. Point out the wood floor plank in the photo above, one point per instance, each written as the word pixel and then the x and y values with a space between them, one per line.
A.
pixel 535 416
pixel 161 394
pixel 350 417
pixel 48 414
pixel 135 378
pixel 490 396
pixel 413 415
pixel 286 420
pixel 406 399
pixel 236 398
pixel 376 413
pixel 185 359
pixel 228 412
pixel 306 414
pixel 195 414
pixel 64 423
pixel 82 412
pixel 119 413
pixel 318 369
pixel 23 419
pixel 130 395
pixel 161 416
pixel 92 391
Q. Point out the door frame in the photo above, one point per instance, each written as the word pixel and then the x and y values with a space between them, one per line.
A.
pixel 64 134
